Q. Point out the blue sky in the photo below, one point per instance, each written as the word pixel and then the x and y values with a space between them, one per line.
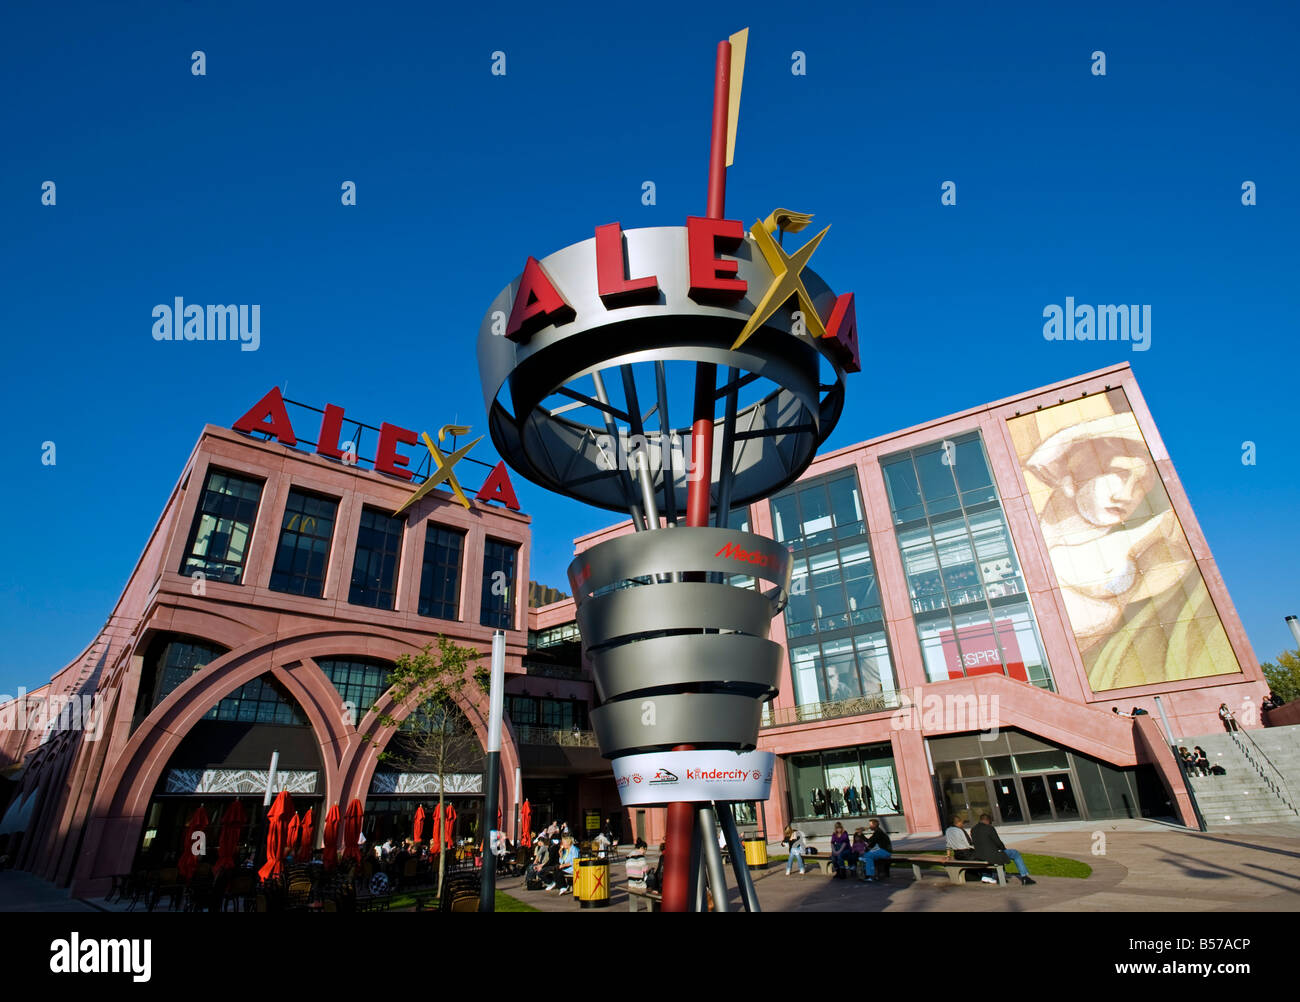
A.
pixel 225 188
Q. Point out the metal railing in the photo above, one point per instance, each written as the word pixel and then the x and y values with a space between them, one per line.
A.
pixel 858 706
pixel 531 735
pixel 554 671
pixel 1280 788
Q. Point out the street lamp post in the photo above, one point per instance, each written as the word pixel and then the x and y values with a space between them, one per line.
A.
pixel 492 772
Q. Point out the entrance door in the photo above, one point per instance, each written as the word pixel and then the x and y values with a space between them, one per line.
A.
pixel 969 797
pixel 1062 793
pixel 1037 799
pixel 1008 801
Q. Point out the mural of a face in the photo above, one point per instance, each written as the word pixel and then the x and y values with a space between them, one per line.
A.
pixel 1113 496
pixel 1139 607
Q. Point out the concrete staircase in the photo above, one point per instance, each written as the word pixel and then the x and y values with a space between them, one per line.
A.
pixel 1252 792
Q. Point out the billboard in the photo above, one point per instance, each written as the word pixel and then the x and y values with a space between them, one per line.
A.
pixel 1138 605
pixel 978 653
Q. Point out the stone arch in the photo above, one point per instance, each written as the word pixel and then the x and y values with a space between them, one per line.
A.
pixel 348 761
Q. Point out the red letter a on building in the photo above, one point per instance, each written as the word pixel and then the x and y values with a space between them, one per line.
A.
pixel 269 416
pixel 499 488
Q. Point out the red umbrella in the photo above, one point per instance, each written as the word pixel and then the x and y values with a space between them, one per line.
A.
pixel 277 825
pixel 188 860
pixel 449 826
pixel 232 822
pixel 525 825
pixel 330 852
pixel 352 832
pixel 293 835
pixel 435 831
pixel 306 837
pixel 419 823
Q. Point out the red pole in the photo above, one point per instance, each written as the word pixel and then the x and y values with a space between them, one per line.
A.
pixel 681 817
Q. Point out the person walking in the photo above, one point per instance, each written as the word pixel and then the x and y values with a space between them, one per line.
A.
pixel 794 839
pixel 988 847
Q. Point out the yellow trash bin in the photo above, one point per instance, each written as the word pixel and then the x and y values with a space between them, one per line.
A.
pixel 755 851
pixel 591 883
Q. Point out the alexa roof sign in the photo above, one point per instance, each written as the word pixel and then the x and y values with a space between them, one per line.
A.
pixel 270 417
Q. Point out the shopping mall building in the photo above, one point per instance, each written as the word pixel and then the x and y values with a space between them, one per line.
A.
pixel 970 600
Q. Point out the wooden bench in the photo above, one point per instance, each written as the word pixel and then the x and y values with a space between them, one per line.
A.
pixel 953 867
pixel 640 899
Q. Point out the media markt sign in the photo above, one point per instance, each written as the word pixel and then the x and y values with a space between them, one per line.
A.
pixel 693 776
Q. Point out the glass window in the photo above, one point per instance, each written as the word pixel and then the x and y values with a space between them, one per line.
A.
pixel 845 782
pixel 806 668
pixel 833 592
pixel 904 493
pixel 180 659
pixel 806 783
pixel 963 575
pixel 306 530
pixel 846 507
pixel 374 568
pixel 934 470
pixel 222 526
pixel 260 701
pixel 498 599
pixel 359 683
pixel 841 667
pixel 1039 761
pixel 440 574
pixel 785 520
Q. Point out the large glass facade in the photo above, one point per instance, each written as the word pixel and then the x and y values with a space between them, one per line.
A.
pixel 360 683
pixel 967 591
pixel 374 568
pixel 440 574
pixel 843 783
pixel 261 701
pixel 498 598
pixel 222 526
pixel 834 622
pixel 1017 778
pixel 306 530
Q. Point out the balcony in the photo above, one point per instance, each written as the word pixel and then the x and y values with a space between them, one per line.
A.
pixel 880 702
pixel 530 734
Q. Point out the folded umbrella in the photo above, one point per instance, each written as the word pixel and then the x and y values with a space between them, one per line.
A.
pixel 188 862
pixel 330 849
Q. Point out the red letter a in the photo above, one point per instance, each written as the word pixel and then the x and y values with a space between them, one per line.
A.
pixel 537 305
pixel 269 417
pixel 499 488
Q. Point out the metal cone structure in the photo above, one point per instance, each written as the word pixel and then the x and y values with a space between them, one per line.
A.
pixel 675 618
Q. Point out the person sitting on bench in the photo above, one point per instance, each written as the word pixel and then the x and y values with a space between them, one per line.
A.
pixel 958 842
pixel 989 847
pixel 878 847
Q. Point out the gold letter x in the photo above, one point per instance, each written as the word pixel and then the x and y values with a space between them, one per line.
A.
pixel 785 283
pixel 444 463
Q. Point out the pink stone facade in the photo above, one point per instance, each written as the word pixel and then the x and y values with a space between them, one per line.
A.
pixel 1073 716
pixel 93 795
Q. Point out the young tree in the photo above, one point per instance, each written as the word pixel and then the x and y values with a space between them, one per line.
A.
pixel 1284 677
pixel 435 737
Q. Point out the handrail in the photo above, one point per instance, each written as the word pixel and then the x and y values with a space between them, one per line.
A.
pixel 1236 734
pixel 855 706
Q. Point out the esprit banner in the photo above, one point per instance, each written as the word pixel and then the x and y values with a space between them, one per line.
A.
pixel 688 776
